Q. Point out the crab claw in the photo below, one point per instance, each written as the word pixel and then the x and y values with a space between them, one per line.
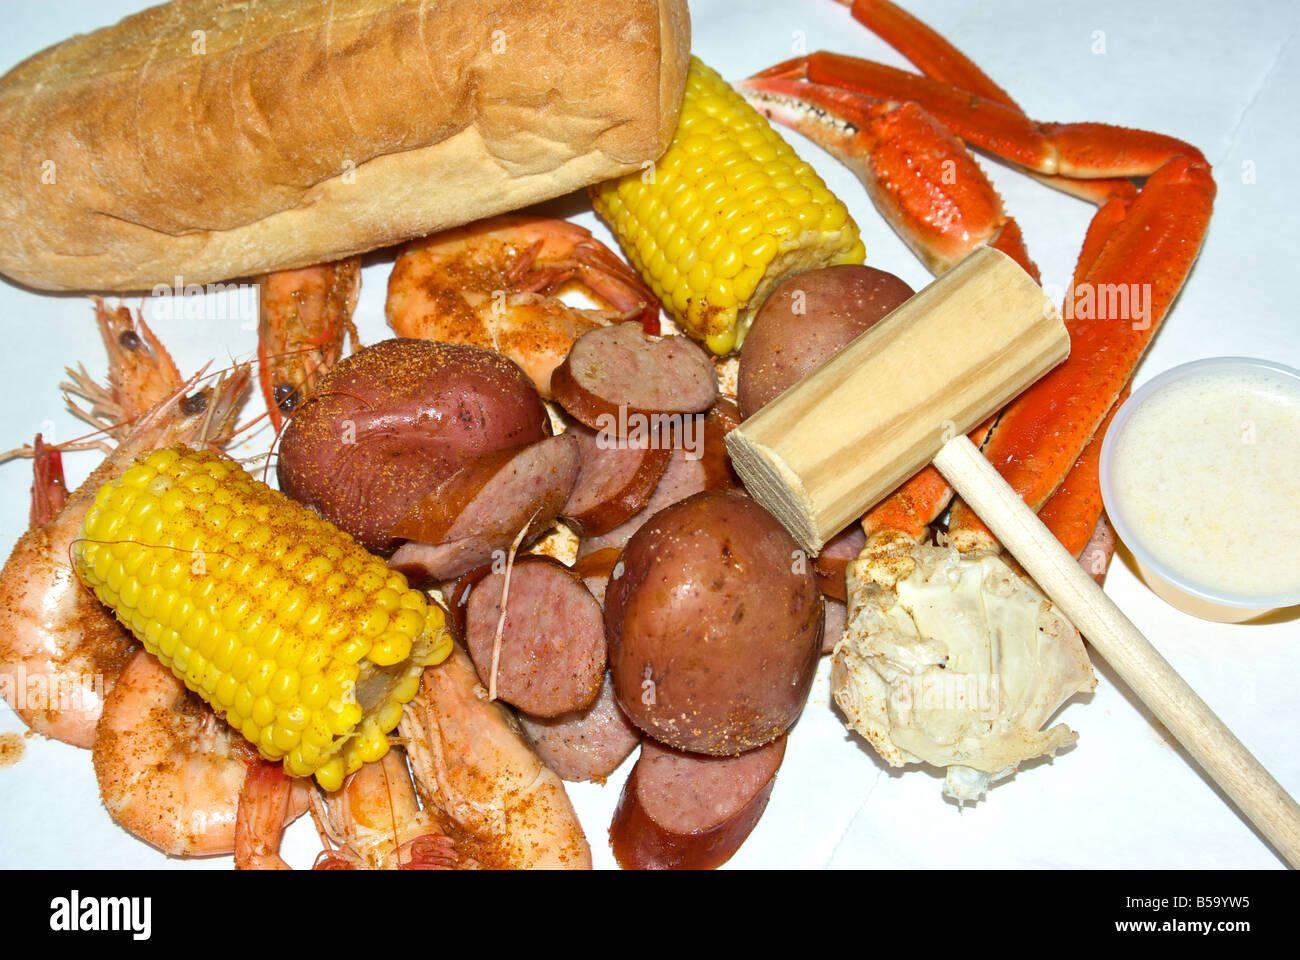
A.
pixel 921 178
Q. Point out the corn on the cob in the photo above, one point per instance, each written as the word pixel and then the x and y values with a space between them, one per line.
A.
pixel 725 214
pixel 306 643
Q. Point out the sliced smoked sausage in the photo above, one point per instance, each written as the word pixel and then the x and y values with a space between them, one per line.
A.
pixel 686 811
pixel 614 372
pixel 552 655
pixel 683 477
pixel 587 744
pixel 615 479
pixel 832 564
pixel 482 507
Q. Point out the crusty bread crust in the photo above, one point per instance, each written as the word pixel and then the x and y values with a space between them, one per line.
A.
pixel 212 139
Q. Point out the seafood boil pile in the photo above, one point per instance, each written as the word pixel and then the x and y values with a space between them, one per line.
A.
pixel 471 430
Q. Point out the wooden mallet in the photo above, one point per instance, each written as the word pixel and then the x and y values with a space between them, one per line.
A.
pixel 904 394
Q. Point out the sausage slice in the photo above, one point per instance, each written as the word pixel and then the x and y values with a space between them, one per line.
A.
pixel 587 744
pixel 683 478
pixel 687 811
pixel 832 564
pixel 482 507
pixel 836 617
pixel 615 480
pixel 552 657
pixel 614 372
pixel 596 569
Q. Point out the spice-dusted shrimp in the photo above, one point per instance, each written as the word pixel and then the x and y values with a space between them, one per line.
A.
pixel 477 773
pixel 169 770
pixel 374 820
pixel 492 284
pixel 140 373
pixel 377 823
pixel 60 649
pixel 302 320
pixel 268 802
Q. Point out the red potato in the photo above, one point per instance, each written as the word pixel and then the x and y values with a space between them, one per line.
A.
pixel 804 321
pixel 616 374
pixel 714 622
pixel 689 812
pixel 552 653
pixel 482 508
pixel 387 423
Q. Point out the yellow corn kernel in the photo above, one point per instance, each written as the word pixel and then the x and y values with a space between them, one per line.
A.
pixel 392 647
pixel 726 213
pixel 330 774
pixel 372 743
pixel 233 587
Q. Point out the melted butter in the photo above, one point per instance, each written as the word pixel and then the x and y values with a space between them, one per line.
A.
pixel 1207 476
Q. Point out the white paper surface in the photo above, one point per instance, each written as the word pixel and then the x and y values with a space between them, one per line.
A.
pixel 1221 77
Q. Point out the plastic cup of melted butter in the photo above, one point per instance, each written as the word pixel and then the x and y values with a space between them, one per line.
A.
pixel 1200 475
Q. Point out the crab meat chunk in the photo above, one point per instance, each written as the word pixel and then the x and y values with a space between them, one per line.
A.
pixel 956 661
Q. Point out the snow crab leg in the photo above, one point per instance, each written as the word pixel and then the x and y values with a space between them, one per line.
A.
pixel 1150 240
pixel 1088 160
pixel 921 178
pixel 1148 256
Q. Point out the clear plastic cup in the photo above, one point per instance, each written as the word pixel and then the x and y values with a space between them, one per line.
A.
pixel 1199 594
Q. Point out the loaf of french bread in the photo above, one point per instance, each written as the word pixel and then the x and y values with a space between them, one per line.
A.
pixel 211 139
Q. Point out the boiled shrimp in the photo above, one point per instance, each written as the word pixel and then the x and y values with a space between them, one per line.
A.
pixel 60 648
pixel 304 315
pixel 479 777
pixel 377 823
pixel 373 822
pixel 169 770
pixel 493 283
pixel 140 373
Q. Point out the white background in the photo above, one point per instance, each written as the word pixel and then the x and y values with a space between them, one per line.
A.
pixel 1220 76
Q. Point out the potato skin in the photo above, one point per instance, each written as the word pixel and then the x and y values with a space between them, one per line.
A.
pixel 714 625
pixel 783 346
pixel 390 421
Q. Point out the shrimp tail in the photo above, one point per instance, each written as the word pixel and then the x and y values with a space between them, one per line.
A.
pixel 263 811
pixel 597 268
pixel 616 283
pixel 427 853
pixel 49 490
